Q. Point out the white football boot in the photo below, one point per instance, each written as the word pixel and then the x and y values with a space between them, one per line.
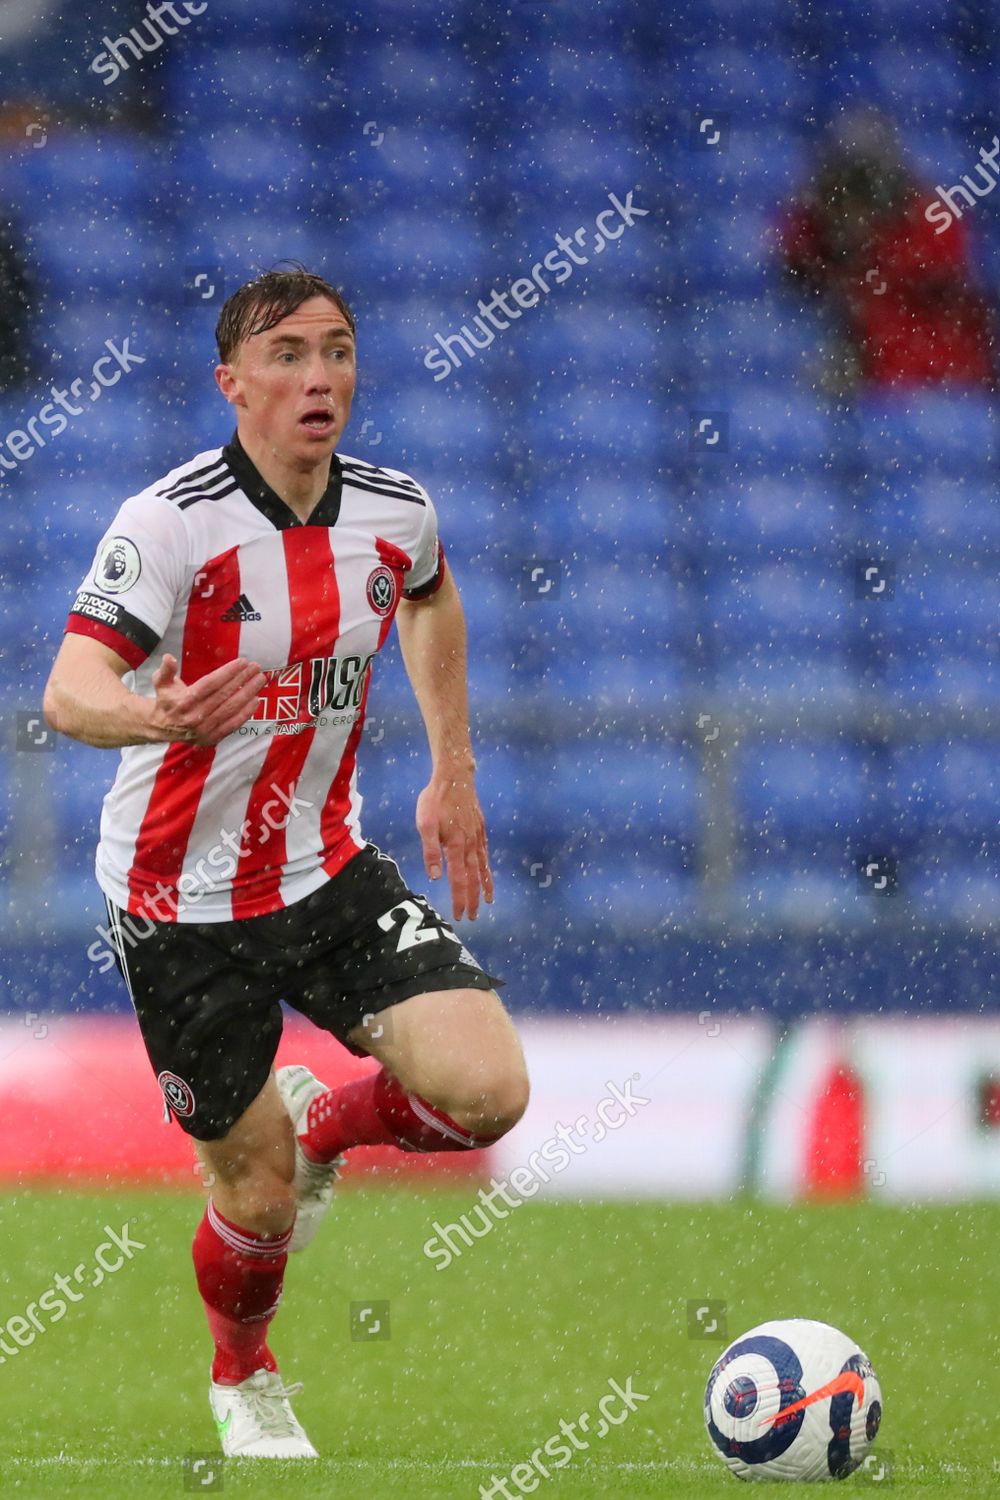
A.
pixel 255 1420
pixel 314 1180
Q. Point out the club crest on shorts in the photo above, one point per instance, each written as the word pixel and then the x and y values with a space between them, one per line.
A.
pixel 118 566
pixel 382 590
pixel 177 1094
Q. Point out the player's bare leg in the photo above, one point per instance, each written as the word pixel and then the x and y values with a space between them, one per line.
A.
pixel 250 1169
pixel 453 1078
pixel 459 1051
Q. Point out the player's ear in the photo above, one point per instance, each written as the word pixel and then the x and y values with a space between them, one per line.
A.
pixel 228 384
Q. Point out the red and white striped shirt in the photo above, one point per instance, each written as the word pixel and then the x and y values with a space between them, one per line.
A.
pixel 209 564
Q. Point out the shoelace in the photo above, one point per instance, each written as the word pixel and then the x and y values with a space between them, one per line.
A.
pixel 266 1405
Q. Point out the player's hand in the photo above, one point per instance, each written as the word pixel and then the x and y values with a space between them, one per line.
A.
pixel 452 828
pixel 211 708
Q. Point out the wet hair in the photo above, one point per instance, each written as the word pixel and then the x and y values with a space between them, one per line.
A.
pixel 258 305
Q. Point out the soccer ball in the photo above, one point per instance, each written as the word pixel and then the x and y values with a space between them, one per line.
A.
pixel 793 1399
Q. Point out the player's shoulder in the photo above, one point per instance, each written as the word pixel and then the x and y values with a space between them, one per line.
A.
pixel 380 480
pixel 205 476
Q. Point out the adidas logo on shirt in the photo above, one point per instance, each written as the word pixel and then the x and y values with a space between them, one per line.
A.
pixel 241 610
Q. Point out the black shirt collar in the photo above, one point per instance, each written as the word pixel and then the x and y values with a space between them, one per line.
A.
pixel 269 503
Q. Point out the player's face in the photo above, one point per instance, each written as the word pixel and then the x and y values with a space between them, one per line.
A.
pixel 293 384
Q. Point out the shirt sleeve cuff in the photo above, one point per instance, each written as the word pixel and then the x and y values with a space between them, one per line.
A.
pixel 433 584
pixel 107 622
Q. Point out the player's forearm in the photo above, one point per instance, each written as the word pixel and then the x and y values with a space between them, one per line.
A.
pixel 432 637
pixel 96 707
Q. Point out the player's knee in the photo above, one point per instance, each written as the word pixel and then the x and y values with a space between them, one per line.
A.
pixel 491 1105
pixel 261 1201
pixel 253 1187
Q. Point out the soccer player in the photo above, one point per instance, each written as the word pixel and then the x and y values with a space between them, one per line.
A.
pixel 223 640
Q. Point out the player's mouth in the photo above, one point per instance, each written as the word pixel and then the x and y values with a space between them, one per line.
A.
pixel 318 419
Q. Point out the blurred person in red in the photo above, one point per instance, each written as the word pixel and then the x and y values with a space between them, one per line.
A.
pixel 899 293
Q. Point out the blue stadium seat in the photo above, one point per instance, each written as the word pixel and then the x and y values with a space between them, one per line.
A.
pixel 628 678
pixel 281 20
pixel 396 168
pixel 443 427
pixel 952 889
pixel 69 522
pixel 490 601
pixel 805 791
pixel 742 339
pixel 609 606
pixel 80 253
pixel 607 428
pixel 920 430
pixel 475 520
pixel 598 26
pixel 792 677
pixel 729 251
pixel 940 154
pixel 916 83
pixel 238 166
pixel 760 84
pixel 634 265
pixel 591 341
pixel 751 167
pixel 370 152
pixel 920 673
pixel 245 243
pixel 951 512
pixel 393 345
pixel 615 789
pixel 241 82
pixel 606 86
pixel 631 892
pixel 81 326
pixel 946 789
pixel 846 23
pixel 78 780
pixel 775 515
pixel 730 22
pixel 798 891
pixel 403 83
pixel 936 602
pixel 119 441
pixel 779 603
pixel 109 170
pixel 377 19
pixel 605 517
pixel 774 427
pixel 446 252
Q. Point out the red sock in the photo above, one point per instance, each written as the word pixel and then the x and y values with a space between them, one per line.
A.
pixel 375 1110
pixel 239 1277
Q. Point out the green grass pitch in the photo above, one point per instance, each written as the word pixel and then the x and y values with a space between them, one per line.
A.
pixel 486 1356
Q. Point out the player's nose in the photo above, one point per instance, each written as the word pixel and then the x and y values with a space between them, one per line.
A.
pixel 317 376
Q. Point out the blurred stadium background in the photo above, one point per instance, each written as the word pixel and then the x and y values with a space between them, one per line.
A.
pixel 736 798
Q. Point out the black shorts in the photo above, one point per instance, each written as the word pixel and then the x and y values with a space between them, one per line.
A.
pixel 207 993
